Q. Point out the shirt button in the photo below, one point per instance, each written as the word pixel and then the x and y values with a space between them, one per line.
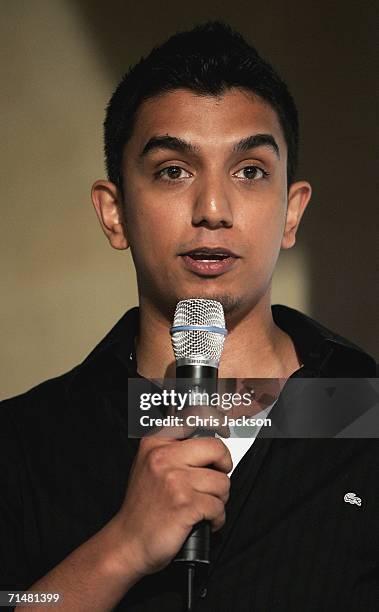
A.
pixel 203 592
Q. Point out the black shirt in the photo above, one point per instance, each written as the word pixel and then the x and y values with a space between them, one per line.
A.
pixel 290 541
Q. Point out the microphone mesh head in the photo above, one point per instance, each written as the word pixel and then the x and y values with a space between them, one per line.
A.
pixel 199 346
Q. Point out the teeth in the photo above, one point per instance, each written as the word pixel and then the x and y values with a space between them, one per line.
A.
pixel 208 256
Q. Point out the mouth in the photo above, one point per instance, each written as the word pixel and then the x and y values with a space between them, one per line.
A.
pixel 207 261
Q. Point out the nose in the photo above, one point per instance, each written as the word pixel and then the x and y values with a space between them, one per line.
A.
pixel 212 207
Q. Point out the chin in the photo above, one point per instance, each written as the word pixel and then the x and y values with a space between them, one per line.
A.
pixel 230 303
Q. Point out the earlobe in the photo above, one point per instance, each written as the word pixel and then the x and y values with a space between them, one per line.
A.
pixel 298 197
pixel 108 206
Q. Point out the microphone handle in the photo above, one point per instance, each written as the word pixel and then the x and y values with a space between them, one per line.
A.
pixel 196 548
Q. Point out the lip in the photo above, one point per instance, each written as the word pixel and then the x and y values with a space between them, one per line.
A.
pixel 210 267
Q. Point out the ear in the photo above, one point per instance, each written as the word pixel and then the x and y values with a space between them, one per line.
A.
pixel 107 201
pixel 298 197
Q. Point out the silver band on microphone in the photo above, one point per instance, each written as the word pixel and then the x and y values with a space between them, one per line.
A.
pixel 203 361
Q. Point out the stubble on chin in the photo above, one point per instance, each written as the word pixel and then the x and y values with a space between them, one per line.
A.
pixel 230 303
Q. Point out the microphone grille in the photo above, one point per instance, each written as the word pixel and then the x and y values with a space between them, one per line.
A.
pixel 203 346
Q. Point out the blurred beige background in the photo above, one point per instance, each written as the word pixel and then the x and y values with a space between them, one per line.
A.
pixel 63 287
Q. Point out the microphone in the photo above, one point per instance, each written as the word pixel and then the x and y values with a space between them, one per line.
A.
pixel 198 334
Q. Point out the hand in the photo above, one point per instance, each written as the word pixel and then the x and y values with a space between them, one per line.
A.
pixel 171 488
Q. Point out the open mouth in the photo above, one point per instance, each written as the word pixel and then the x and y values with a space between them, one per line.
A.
pixel 207 261
pixel 201 256
pixel 210 254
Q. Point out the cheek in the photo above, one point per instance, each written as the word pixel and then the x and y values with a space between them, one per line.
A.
pixel 266 219
pixel 149 229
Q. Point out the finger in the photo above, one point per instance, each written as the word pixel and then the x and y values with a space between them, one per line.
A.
pixel 201 452
pixel 209 418
pixel 212 482
pixel 194 452
pixel 210 508
pixel 193 419
pixel 164 434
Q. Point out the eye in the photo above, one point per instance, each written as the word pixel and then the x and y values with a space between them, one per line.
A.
pixel 251 173
pixel 172 173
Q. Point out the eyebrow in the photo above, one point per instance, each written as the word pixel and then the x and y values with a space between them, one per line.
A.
pixel 168 142
pixel 255 141
pixel 174 143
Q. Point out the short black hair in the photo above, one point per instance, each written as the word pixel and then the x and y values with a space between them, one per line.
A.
pixel 208 60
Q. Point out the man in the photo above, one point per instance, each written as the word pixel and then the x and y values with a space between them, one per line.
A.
pixel 201 146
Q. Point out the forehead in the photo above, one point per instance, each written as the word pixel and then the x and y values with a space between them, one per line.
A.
pixel 206 120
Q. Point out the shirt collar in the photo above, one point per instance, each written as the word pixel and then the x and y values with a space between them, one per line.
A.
pixel 322 352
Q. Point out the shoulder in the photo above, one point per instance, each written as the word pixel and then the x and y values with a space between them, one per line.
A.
pixel 323 351
pixel 35 423
pixel 31 407
pixel 70 409
pixel 42 392
pixel 98 371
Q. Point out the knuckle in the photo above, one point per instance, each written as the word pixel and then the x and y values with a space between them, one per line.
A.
pixel 218 520
pixel 226 485
pixel 157 459
pixel 215 507
pixel 219 507
pixel 226 481
pixel 222 448
pixel 221 519
pixel 144 444
pixel 222 484
pixel 226 450
pixel 219 511
pixel 219 444
pixel 173 479
pixel 223 453
pixel 181 499
pixel 228 460
pixel 215 446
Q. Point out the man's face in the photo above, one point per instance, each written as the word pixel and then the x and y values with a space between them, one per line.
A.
pixel 205 196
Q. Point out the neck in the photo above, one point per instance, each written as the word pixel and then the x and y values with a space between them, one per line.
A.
pixel 255 347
